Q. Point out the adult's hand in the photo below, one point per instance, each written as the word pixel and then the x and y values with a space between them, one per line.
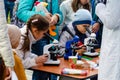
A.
pixel 54 19
pixel 95 27
pixel 48 16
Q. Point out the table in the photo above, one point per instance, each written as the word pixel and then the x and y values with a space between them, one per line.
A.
pixel 65 64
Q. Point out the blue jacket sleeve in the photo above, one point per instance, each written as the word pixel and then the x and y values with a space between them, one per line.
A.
pixel 56 10
pixel 25 11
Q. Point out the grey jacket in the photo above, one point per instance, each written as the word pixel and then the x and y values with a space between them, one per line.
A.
pixel 65 36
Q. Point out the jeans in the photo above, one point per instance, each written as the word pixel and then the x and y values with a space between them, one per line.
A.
pixel 9 5
pixel 69 78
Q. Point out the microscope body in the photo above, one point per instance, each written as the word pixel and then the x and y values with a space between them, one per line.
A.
pixel 70 48
pixel 90 43
pixel 52 50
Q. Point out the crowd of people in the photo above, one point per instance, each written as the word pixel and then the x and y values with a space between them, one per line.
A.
pixel 23 39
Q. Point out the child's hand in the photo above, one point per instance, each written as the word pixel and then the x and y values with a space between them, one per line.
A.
pixel 41 59
pixel 95 27
pixel 81 51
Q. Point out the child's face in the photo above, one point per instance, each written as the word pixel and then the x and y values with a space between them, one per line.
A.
pixel 82 28
pixel 83 2
pixel 38 34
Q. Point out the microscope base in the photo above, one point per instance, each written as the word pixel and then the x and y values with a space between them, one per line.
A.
pixel 93 54
pixel 52 63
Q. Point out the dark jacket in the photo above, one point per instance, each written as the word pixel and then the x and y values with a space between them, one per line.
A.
pixel 12 0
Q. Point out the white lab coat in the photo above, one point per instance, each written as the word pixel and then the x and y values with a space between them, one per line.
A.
pixel 109 68
pixel 5 46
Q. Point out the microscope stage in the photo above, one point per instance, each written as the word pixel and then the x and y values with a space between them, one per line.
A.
pixel 52 62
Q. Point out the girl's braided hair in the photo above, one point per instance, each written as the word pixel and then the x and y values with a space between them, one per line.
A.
pixel 36 21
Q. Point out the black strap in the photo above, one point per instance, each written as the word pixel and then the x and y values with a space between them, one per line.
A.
pixel 51 6
pixel 65 28
pixel 102 1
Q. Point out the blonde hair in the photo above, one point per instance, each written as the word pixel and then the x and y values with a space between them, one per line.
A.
pixel 76 4
pixel 14 35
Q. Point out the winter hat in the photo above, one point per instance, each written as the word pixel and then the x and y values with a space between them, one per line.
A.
pixel 82 16
pixel 14 34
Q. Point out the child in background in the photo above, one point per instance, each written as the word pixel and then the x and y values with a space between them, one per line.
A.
pixel 32 32
pixel 14 35
pixel 82 19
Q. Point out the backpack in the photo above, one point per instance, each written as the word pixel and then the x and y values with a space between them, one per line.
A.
pixel 15 20
pixel 65 28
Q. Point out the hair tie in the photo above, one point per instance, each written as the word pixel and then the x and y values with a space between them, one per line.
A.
pixel 35 20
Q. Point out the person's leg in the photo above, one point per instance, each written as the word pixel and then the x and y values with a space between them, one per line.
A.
pixel 53 77
pixel 37 48
pixel 94 78
pixel 67 78
pixel 39 75
pixel 6 8
pixel 11 6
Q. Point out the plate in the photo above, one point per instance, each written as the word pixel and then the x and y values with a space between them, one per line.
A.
pixel 91 54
